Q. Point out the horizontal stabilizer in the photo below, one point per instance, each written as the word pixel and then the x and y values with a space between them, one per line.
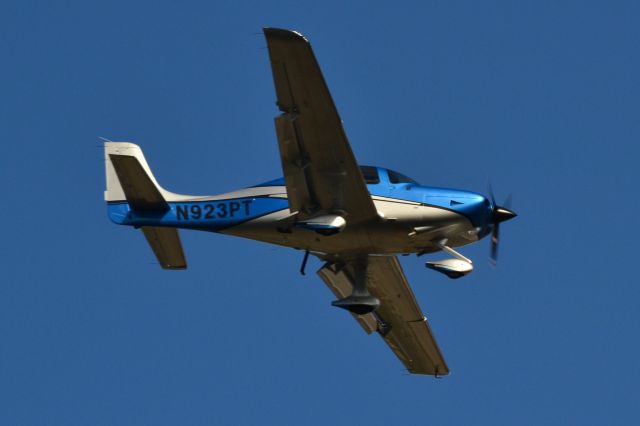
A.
pixel 166 244
pixel 142 194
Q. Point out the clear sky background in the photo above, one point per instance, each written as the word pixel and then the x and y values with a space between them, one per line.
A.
pixel 541 97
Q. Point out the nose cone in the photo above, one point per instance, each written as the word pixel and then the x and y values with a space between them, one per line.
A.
pixel 502 214
pixel 472 205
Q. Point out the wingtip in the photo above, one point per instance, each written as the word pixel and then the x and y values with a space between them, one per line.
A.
pixel 283 34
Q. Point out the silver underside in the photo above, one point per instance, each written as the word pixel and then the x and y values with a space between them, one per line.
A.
pixel 393 233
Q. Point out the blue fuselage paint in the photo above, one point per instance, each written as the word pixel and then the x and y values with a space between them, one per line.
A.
pixel 213 215
pixel 219 213
pixel 472 205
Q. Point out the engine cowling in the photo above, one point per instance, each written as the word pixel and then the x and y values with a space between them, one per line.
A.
pixel 453 268
pixel 324 224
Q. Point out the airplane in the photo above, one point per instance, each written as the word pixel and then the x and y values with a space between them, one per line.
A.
pixel 356 219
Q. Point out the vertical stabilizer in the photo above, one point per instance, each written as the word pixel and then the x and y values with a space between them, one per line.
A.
pixel 129 179
pixel 115 191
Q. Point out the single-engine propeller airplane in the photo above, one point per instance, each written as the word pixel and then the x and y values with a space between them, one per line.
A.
pixel 354 218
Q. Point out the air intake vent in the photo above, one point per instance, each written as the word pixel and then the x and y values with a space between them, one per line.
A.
pixel 454 203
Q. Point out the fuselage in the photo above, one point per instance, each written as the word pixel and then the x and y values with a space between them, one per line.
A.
pixel 411 217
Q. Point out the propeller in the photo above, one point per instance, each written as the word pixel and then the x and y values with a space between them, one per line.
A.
pixel 498 215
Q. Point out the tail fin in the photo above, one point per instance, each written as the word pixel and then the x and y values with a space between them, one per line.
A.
pixel 129 176
pixel 129 179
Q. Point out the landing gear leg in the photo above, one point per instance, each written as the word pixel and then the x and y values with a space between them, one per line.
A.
pixel 304 262
pixel 360 302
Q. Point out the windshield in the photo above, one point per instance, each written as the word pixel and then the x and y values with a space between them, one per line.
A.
pixel 395 177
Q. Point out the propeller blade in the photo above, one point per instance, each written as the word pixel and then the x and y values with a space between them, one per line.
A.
pixel 500 214
pixel 495 238
pixel 508 201
pixel 490 192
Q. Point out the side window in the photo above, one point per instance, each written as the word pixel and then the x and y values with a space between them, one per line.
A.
pixel 395 177
pixel 370 174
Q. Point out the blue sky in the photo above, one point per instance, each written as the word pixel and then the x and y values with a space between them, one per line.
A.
pixel 540 97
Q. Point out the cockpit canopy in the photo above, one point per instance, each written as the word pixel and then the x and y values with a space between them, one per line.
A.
pixel 372 176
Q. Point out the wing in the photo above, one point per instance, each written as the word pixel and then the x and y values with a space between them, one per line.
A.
pixel 399 319
pixel 320 170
